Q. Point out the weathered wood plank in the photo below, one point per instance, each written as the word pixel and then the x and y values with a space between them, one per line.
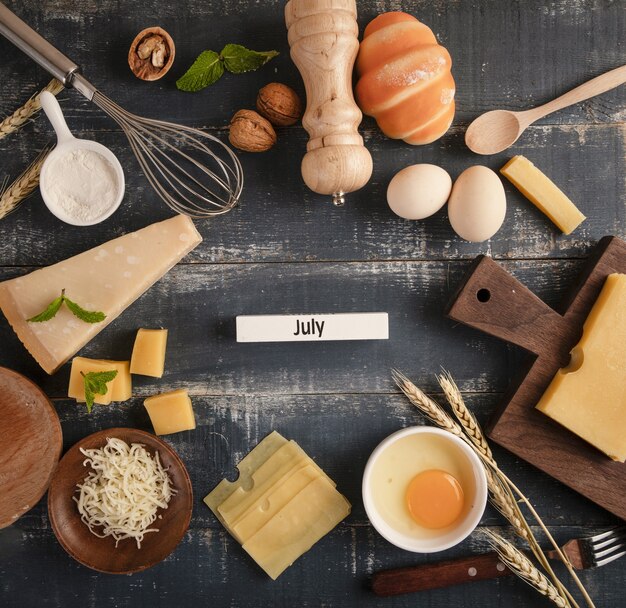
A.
pixel 506 54
pixel 279 220
pixel 198 303
pixel 208 566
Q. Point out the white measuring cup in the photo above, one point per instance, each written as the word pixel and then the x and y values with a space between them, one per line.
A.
pixel 67 143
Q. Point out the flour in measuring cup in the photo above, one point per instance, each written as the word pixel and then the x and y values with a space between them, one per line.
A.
pixel 82 183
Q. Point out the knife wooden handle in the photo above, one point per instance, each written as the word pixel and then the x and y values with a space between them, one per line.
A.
pixel 492 300
pixel 441 574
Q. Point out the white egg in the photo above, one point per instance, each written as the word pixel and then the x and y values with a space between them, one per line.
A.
pixel 418 191
pixel 477 204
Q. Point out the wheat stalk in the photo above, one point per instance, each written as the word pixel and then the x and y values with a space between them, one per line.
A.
pixel 501 488
pixel 23 186
pixel 510 509
pixel 464 416
pixel 23 114
pixel 430 408
pixel 524 568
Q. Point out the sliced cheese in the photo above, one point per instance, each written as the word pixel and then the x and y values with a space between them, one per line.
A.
pixel 281 504
pixel 280 465
pixel 82 365
pixel 589 396
pixel 148 358
pixel 248 465
pixel 171 412
pixel 107 278
pixel 260 512
pixel 543 193
pixel 310 515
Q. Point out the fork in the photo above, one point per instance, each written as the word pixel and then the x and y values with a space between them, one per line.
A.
pixel 594 551
pixel 589 552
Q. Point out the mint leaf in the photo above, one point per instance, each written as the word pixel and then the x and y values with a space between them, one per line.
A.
pixel 96 384
pixel 238 59
pixel 205 70
pixel 49 312
pixel 87 316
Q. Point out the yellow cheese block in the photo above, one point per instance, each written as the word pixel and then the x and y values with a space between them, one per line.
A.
pixel 264 479
pixel 248 465
pixel 171 412
pixel 310 515
pixel 122 386
pixel 148 358
pixel 76 388
pixel 543 193
pixel 260 512
pixel 107 278
pixel 589 396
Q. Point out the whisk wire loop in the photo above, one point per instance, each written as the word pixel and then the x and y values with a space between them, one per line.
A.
pixel 190 177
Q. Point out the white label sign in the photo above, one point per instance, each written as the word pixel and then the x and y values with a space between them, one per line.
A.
pixel 312 328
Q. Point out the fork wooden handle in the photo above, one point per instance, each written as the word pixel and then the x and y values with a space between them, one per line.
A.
pixel 437 575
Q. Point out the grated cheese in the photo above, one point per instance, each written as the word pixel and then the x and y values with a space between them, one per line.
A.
pixel 123 492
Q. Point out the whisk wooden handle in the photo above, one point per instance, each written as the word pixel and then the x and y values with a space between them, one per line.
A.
pixel 323 39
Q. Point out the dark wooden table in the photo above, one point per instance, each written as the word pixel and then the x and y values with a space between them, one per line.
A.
pixel 287 250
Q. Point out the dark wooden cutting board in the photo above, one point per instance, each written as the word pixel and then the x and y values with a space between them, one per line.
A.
pixel 491 300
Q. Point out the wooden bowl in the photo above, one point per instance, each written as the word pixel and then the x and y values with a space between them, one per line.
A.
pixel 30 445
pixel 100 553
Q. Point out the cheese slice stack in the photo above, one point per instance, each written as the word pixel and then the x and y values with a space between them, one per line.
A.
pixel 107 278
pixel 281 504
pixel 589 396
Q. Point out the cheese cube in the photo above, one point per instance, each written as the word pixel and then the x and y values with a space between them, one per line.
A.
pixel 589 396
pixel 121 387
pixel 76 388
pixel 170 412
pixel 543 193
pixel 148 358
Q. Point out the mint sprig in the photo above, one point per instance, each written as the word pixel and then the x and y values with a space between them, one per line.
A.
pixel 51 310
pixel 209 66
pixel 96 384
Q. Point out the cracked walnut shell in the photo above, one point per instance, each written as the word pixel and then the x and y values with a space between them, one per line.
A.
pixel 250 132
pixel 151 54
pixel 280 104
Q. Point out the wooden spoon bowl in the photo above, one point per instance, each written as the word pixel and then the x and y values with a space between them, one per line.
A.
pixel 30 445
pixel 100 553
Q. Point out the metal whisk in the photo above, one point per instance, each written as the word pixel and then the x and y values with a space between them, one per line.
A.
pixel 192 171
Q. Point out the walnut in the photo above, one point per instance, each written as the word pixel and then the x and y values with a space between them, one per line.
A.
pixel 249 131
pixel 151 54
pixel 279 104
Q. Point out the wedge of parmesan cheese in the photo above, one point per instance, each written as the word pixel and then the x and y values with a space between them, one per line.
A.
pixel 107 278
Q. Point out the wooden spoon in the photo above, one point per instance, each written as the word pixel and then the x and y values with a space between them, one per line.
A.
pixel 497 130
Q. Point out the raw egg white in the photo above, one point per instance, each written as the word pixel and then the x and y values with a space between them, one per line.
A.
pixel 418 191
pixel 422 485
pixel 477 205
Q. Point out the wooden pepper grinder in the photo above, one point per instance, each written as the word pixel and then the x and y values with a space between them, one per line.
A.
pixel 323 36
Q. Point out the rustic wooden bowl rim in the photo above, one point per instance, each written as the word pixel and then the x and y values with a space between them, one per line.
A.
pixel 54 438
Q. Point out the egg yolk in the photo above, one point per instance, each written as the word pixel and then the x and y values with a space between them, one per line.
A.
pixel 434 498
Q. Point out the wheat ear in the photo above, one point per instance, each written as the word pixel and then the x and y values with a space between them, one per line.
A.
pixel 524 568
pixel 500 486
pixel 23 114
pixel 23 186
pixel 509 508
pixel 464 416
pixel 430 408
